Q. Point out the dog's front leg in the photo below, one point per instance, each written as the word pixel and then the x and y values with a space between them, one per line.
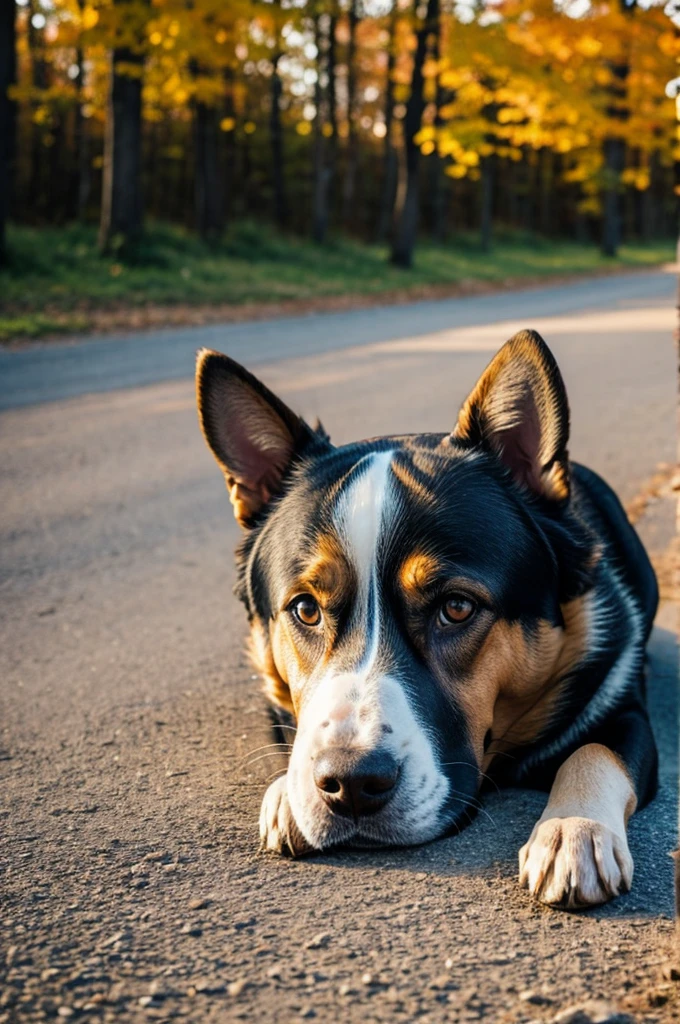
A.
pixel 279 832
pixel 577 855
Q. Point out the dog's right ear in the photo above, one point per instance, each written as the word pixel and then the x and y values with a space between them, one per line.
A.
pixel 253 435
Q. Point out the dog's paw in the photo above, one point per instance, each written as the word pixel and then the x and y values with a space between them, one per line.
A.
pixel 278 830
pixel 575 863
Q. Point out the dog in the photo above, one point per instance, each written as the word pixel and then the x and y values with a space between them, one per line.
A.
pixel 434 610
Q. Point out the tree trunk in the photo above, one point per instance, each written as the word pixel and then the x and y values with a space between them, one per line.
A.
pixel 36 198
pixel 390 162
pixel 276 136
pixel 229 145
pixel 614 160
pixel 322 171
pixel 438 176
pixel 8 68
pixel 486 202
pixel 83 186
pixel 407 216
pixel 352 154
pixel 615 154
pixel 545 202
pixel 208 192
pixel 122 202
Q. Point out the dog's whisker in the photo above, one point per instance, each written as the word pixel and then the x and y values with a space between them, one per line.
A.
pixel 267 746
pixel 271 753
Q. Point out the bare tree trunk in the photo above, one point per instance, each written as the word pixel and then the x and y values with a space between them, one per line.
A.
pixel 438 176
pixel 82 190
pixel 229 145
pixel 546 176
pixel 276 136
pixel 486 202
pixel 122 200
pixel 8 70
pixel 36 178
pixel 208 190
pixel 208 195
pixel 352 154
pixel 407 217
pixel 390 162
pixel 615 154
pixel 614 159
pixel 322 172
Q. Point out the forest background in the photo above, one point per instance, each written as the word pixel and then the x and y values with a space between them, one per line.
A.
pixel 176 154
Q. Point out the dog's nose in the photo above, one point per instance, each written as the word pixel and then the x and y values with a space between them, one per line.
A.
pixel 352 782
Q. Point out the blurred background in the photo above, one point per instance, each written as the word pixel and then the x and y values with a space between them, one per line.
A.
pixel 174 154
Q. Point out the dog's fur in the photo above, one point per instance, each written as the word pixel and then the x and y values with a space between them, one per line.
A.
pixel 423 606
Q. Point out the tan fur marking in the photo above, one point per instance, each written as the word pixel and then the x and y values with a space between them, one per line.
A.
pixel 510 687
pixel 417 571
pixel 409 481
pixel 275 687
pixel 592 783
pixel 516 683
pixel 329 575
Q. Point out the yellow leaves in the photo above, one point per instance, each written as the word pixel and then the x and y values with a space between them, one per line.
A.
pixel 249 127
pixel 173 29
pixel 508 114
pixel 427 147
pixel 327 130
pixel 227 124
pixel 89 18
pixel 156 38
pixel 588 46
pixel 456 170
pixel 637 177
pixel 426 134
pixel 41 115
pixel 303 128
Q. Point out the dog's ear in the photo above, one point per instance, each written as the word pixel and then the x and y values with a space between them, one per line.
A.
pixel 253 435
pixel 518 410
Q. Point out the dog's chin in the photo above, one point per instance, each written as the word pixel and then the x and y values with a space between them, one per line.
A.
pixel 369 833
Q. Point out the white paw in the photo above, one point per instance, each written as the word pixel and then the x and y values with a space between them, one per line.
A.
pixel 575 862
pixel 278 830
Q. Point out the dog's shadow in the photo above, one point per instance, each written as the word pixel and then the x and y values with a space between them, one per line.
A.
pixel 490 843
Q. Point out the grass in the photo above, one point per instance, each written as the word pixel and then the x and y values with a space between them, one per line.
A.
pixel 56 280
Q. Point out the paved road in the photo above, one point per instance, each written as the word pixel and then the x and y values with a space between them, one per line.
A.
pixel 131 723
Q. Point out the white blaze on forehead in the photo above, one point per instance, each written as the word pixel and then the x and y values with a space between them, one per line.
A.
pixel 363 511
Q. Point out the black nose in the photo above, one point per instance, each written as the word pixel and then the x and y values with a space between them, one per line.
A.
pixel 352 782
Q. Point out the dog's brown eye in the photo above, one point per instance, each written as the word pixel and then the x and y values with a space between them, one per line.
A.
pixel 306 610
pixel 456 609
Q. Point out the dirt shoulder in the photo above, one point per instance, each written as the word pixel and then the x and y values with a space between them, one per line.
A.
pixel 123 318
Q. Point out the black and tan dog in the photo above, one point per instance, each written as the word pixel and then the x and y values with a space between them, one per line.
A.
pixel 424 606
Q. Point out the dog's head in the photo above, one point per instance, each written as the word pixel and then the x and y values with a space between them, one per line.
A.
pixel 406 595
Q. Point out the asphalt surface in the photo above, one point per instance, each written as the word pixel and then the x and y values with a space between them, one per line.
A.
pixel 131 727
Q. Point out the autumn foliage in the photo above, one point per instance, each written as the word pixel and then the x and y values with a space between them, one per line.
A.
pixel 374 118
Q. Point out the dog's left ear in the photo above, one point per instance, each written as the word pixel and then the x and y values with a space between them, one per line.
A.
pixel 253 435
pixel 518 410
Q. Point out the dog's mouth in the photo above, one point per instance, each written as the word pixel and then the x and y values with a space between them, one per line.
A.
pixel 410 817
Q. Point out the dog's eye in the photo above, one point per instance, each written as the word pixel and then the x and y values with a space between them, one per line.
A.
pixel 456 609
pixel 306 610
